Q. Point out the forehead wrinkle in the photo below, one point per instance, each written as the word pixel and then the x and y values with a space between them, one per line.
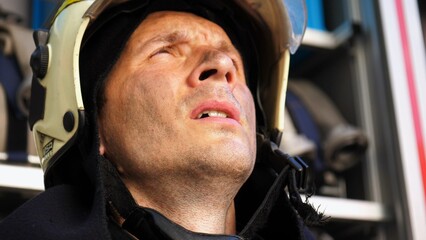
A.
pixel 183 36
pixel 174 37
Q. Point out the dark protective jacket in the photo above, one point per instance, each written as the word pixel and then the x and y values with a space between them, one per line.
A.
pixel 71 211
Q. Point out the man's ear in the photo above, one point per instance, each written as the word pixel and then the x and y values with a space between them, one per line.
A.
pixel 102 148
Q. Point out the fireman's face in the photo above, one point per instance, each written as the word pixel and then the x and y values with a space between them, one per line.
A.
pixel 177 103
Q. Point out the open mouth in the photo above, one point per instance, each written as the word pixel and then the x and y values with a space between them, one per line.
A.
pixel 212 113
pixel 217 110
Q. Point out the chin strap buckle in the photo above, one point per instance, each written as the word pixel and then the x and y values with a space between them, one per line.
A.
pixel 298 165
pixel 279 160
pixel 296 181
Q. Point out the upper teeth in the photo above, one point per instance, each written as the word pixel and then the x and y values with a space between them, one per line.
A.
pixel 213 113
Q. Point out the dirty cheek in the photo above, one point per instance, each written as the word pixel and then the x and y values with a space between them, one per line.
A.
pixel 154 94
pixel 247 102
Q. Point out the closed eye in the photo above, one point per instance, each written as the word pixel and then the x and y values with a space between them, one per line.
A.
pixel 163 50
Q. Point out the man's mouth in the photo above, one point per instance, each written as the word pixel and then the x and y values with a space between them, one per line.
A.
pixel 212 113
pixel 216 109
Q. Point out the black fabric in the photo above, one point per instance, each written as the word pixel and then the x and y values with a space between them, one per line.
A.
pixel 61 212
pixel 269 212
pixel 117 195
pixel 150 224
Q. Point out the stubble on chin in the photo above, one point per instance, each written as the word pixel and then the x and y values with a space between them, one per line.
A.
pixel 224 165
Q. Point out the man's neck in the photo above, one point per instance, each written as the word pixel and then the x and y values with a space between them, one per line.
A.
pixel 199 207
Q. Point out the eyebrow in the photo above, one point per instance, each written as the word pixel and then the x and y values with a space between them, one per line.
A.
pixel 170 38
pixel 181 37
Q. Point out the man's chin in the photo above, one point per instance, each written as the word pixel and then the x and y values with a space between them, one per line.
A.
pixel 229 161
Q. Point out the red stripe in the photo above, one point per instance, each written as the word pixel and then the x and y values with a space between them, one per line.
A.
pixel 412 90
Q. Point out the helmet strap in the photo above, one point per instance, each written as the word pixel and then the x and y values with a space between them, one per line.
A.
pixel 117 195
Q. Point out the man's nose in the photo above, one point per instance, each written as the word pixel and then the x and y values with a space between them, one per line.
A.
pixel 214 65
